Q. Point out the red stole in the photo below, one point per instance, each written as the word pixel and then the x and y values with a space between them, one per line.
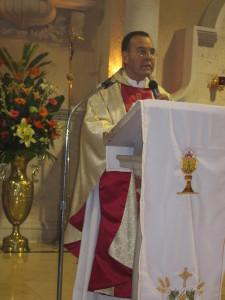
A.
pixel 132 94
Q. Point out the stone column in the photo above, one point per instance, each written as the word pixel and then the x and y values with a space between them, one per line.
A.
pixel 142 15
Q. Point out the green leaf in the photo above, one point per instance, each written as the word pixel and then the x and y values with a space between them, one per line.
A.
pixel 38 83
pixel 6 61
pixel 29 81
pixel 55 108
pixel 190 295
pixel 37 59
pixel 30 53
pixel 15 66
pixel 7 53
pixel 26 50
pixel 173 295
pixel 44 63
pixel 50 156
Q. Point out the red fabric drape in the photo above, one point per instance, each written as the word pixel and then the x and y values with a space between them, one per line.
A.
pixel 107 272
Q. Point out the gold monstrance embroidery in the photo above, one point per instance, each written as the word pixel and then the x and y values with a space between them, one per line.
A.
pixel 188 166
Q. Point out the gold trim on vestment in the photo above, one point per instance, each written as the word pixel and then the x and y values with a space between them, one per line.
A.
pixel 123 245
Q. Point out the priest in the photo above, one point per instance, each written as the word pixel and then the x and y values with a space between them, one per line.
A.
pixel 104 212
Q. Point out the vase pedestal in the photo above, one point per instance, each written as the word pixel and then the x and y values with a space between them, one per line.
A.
pixel 15 242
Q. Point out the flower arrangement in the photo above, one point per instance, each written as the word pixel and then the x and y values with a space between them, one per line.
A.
pixel 28 103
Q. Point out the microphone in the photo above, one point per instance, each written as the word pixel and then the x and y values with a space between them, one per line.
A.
pixel 107 83
pixel 153 85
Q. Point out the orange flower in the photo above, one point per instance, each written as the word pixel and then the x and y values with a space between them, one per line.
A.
pixel 35 71
pixel 54 135
pixel 1 62
pixel 43 111
pixel 38 124
pixel 19 76
pixel 52 123
pixel 20 100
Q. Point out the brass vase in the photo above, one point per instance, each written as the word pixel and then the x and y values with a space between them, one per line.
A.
pixel 17 198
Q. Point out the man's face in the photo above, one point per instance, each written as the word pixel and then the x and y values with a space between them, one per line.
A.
pixel 138 61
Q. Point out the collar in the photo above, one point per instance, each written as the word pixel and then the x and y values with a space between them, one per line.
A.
pixel 140 84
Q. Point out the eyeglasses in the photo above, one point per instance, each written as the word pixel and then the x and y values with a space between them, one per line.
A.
pixel 143 52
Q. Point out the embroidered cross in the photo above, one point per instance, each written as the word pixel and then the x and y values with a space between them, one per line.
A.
pixel 185 275
pixel 138 95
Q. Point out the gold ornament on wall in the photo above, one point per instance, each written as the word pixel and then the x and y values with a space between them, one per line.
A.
pixel 217 83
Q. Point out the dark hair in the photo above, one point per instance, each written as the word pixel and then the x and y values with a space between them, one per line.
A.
pixel 127 38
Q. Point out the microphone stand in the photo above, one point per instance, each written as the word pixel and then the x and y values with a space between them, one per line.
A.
pixel 63 202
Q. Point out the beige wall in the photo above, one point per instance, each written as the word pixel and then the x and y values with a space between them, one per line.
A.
pixel 209 61
pixel 192 54
pixel 103 33
pixel 104 22
pixel 175 15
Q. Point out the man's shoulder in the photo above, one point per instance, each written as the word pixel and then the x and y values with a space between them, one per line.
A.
pixel 120 76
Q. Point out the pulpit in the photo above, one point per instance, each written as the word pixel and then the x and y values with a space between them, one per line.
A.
pixel 124 143
pixel 178 149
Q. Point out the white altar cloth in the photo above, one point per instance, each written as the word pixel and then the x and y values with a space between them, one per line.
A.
pixel 182 250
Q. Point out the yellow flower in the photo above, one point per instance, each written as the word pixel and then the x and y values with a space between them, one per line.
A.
pixel 27 91
pixel 9 89
pixel 45 140
pixel 25 133
pixel 36 95
pixel 20 86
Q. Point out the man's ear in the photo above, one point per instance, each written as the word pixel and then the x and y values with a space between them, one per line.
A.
pixel 125 57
